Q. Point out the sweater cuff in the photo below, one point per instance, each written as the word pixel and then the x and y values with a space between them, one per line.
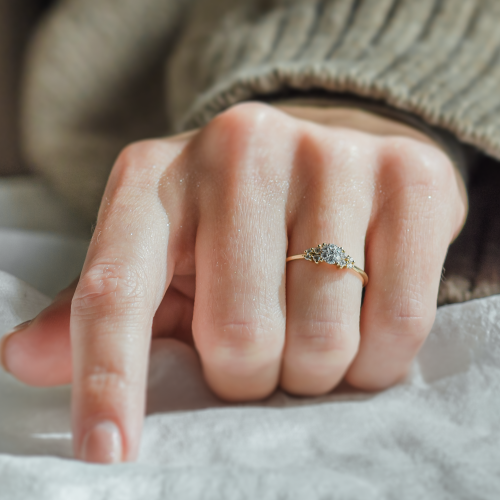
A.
pixel 436 60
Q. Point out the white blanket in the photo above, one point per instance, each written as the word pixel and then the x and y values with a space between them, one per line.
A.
pixel 437 436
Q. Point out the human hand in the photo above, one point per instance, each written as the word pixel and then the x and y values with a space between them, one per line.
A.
pixel 191 241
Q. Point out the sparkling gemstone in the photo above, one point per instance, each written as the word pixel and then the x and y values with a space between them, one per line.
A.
pixel 331 254
pixel 326 254
pixel 330 259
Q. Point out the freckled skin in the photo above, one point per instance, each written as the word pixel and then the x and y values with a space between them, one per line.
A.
pixel 194 248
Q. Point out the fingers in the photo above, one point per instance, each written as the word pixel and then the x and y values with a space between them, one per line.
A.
pixel 406 247
pixel 323 301
pixel 174 316
pixel 239 314
pixel 121 286
pixel 39 353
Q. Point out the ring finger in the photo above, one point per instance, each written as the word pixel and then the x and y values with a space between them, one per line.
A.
pixel 323 301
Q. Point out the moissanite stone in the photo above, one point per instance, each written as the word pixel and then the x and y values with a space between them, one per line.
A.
pixel 329 253
pixel 329 258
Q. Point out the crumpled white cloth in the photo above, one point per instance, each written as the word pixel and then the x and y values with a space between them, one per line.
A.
pixel 437 436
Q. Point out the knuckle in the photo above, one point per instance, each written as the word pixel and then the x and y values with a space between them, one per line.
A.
pixel 105 288
pixel 247 134
pixel 416 165
pixel 137 151
pixel 335 336
pixel 129 169
pixel 100 383
pixel 242 118
pixel 241 347
pixel 411 322
pixel 132 154
pixel 320 351
pixel 347 148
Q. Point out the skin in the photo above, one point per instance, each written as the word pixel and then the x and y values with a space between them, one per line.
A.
pixel 191 241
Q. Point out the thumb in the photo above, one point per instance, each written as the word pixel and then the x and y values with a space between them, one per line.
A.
pixel 39 352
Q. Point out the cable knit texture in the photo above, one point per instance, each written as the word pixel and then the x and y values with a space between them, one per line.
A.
pixel 439 59
pixel 102 73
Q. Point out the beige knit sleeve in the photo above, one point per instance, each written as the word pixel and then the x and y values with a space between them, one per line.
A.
pixel 95 75
pixel 436 59
pixel 94 83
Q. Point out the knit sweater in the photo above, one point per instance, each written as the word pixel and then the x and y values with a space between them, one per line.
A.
pixel 102 73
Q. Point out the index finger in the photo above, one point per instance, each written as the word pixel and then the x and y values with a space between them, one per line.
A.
pixel 122 283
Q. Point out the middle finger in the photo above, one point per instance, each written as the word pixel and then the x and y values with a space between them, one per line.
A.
pixel 239 311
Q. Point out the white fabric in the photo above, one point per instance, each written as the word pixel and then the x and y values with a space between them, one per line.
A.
pixel 437 436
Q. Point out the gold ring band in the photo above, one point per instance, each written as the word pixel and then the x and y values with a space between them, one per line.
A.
pixel 331 254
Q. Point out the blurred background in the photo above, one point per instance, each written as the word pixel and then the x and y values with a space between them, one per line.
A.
pixel 15 26
pixel 41 241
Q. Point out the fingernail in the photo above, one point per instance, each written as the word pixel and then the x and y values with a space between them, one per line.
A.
pixel 102 444
pixel 3 342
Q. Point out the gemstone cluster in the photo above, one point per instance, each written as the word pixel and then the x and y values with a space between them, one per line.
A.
pixel 329 253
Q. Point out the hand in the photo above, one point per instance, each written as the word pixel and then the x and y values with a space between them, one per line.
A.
pixel 191 241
